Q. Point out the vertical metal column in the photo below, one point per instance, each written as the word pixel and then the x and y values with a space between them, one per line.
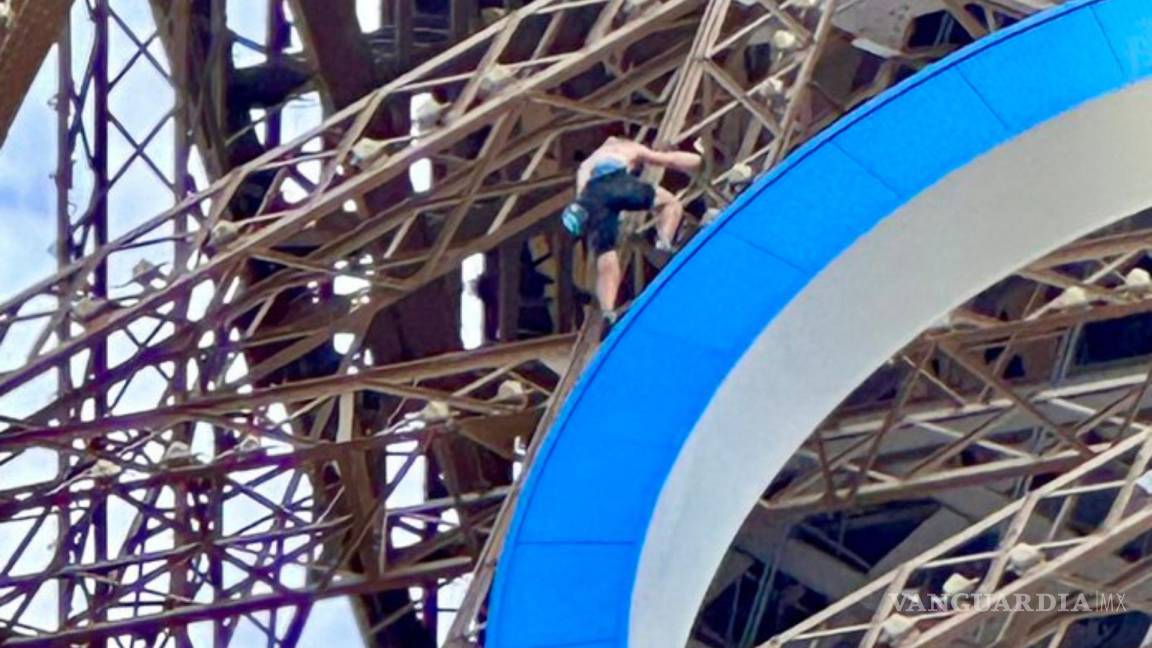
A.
pixel 276 41
pixel 63 177
pixel 98 217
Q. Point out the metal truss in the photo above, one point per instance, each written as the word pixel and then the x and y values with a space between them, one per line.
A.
pixel 192 323
pixel 717 94
pixel 706 104
pixel 747 95
pixel 992 406
pixel 334 179
pixel 278 553
pixel 28 28
pixel 513 108
pixel 1029 553
pixel 468 623
pixel 234 313
pixel 956 418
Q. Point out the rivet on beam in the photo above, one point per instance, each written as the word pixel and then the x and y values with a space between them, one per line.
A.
pixel 367 151
pixel 496 79
pixel 897 629
pixel 1024 557
pixel 224 232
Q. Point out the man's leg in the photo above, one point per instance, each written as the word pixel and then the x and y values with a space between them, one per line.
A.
pixel 669 213
pixel 603 239
pixel 608 281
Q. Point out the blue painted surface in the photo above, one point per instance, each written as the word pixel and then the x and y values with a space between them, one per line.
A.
pixel 569 564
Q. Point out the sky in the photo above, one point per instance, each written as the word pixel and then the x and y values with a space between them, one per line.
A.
pixel 27 239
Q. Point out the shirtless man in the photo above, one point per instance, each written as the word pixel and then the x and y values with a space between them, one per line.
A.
pixel 605 187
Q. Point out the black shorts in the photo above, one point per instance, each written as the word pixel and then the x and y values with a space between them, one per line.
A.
pixel 605 197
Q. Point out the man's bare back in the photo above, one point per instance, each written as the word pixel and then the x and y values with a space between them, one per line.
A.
pixel 630 155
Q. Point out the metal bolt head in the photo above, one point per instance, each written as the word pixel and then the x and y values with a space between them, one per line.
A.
pixel 784 39
pixel 224 232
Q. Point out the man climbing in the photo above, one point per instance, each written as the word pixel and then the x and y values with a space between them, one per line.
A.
pixel 606 186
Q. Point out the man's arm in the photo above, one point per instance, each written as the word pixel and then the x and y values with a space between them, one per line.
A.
pixel 678 160
pixel 582 175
